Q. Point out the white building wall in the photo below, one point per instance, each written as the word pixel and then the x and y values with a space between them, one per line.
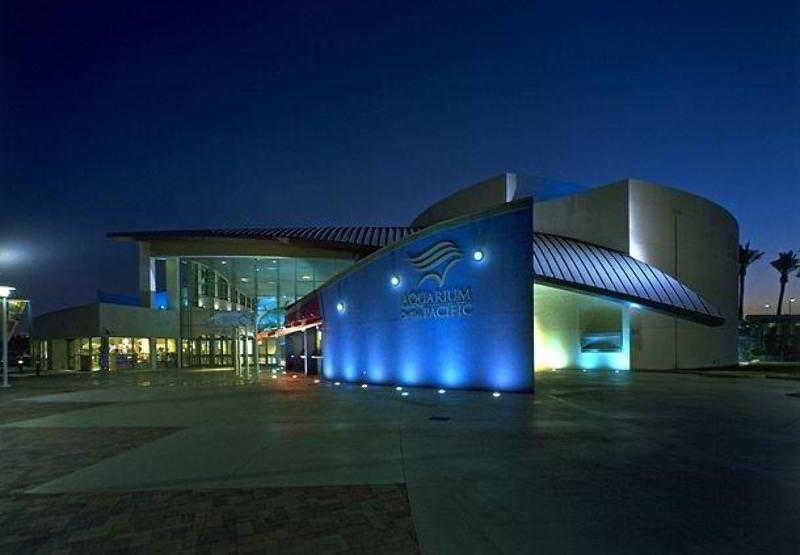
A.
pixel 685 235
pixel 696 241
pixel 598 216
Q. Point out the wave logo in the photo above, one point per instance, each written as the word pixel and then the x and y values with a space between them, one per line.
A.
pixel 435 261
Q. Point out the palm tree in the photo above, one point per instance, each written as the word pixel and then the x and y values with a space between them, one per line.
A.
pixel 746 257
pixel 786 263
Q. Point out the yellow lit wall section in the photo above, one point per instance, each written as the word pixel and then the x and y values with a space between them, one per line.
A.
pixel 548 353
pixel 563 321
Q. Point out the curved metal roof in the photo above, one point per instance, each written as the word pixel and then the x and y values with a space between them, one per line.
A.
pixel 355 236
pixel 557 260
pixel 574 264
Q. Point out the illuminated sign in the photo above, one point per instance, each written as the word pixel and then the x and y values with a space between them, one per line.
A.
pixel 442 255
pixel 442 303
pixel 434 263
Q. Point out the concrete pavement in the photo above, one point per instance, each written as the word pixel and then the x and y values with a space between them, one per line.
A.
pixel 593 462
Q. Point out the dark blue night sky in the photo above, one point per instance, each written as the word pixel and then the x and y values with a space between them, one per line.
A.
pixel 237 114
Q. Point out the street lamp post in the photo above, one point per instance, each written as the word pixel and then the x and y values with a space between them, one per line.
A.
pixel 5 292
pixel 791 302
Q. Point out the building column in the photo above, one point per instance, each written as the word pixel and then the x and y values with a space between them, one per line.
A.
pixel 235 346
pixel 321 359
pixel 172 267
pixel 255 319
pixel 147 275
pixel 246 349
pixel 305 352
pixel 105 362
pixel 153 362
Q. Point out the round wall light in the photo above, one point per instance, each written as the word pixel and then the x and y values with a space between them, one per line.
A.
pixel 477 255
pixel 340 307
pixel 394 280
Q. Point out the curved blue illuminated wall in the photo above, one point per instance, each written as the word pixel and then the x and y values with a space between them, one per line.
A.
pixel 452 321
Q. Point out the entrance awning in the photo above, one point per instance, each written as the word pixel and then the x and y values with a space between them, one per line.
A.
pixel 302 315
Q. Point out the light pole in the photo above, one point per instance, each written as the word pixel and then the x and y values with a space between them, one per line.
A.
pixel 5 292
pixel 791 302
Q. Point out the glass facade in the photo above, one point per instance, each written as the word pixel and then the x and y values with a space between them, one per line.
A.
pixel 83 353
pixel 225 301
pixel 88 354
pixel 128 352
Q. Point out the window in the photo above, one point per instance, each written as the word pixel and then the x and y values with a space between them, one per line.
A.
pixel 601 329
pixel 222 288
pixel 206 281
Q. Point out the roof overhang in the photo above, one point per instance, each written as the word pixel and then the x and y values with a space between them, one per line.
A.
pixel 588 268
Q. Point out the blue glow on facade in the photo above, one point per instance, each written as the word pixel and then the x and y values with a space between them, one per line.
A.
pixel 451 320
pixel 161 300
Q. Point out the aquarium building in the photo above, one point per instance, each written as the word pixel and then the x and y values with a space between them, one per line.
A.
pixel 479 291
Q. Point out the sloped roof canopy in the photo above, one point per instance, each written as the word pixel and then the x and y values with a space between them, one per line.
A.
pixel 557 260
pixel 573 264
pixel 354 238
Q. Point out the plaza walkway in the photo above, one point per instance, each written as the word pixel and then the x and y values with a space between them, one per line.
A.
pixel 219 462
